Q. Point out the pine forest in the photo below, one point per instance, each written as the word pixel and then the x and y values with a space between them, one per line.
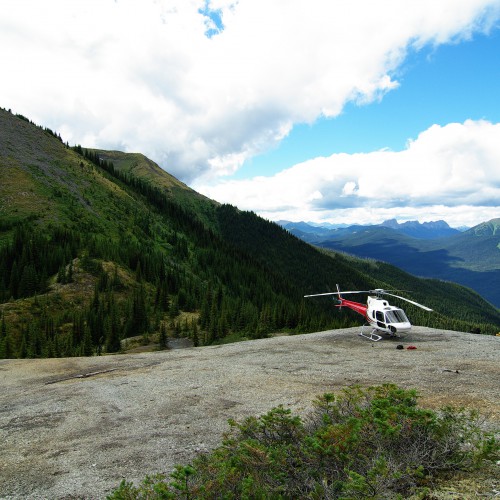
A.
pixel 99 247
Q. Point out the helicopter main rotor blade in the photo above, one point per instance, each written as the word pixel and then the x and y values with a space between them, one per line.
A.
pixel 335 293
pixel 320 294
pixel 410 301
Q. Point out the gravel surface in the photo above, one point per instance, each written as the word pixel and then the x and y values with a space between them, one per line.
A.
pixel 74 427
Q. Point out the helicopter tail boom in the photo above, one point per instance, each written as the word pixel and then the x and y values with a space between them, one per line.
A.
pixel 355 306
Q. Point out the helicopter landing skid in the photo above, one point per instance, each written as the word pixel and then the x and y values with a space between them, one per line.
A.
pixel 371 336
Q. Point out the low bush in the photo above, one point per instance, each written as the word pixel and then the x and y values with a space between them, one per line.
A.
pixel 361 443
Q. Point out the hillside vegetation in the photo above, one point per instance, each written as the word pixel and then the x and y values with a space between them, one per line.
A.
pixel 471 258
pixel 97 246
pixel 361 443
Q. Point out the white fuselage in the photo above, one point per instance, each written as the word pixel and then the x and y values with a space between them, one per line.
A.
pixel 382 316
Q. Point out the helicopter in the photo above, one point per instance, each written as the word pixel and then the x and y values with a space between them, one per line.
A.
pixel 380 315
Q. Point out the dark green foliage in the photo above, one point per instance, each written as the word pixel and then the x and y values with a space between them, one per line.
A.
pixel 6 347
pixel 138 316
pixel 244 277
pixel 32 256
pixel 162 340
pixel 362 443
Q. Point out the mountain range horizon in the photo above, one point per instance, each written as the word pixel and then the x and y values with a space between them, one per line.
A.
pixel 469 256
pixel 394 222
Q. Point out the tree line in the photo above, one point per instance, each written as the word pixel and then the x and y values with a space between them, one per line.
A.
pixel 192 270
pixel 236 274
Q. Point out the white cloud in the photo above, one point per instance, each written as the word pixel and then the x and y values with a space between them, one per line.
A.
pixel 143 76
pixel 448 172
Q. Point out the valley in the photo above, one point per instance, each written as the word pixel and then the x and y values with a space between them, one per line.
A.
pixel 432 250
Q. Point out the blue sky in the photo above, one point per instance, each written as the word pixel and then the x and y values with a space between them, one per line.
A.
pixel 438 85
pixel 342 112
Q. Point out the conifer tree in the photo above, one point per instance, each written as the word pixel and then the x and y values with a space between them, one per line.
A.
pixel 196 340
pixel 162 339
pixel 6 347
pixel 113 343
pixel 174 308
pixel 86 348
pixel 138 319
pixel 28 281
pixel 61 275
pixel 4 342
pixel 14 280
pixel 23 349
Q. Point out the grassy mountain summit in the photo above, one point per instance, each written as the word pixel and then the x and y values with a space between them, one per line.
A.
pixel 136 164
pixel 98 246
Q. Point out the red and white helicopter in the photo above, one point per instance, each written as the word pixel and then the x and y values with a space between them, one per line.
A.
pixel 380 315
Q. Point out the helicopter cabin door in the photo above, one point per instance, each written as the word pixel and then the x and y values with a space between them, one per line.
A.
pixel 380 319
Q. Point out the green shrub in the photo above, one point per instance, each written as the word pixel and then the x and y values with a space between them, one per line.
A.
pixel 362 443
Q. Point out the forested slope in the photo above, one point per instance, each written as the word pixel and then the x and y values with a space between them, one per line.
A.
pixel 471 258
pixel 92 253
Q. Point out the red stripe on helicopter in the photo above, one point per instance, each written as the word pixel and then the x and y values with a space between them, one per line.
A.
pixel 355 306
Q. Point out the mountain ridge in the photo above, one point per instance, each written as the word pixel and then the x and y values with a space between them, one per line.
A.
pixel 424 230
pixel 142 258
pixel 416 229
pixel 471 257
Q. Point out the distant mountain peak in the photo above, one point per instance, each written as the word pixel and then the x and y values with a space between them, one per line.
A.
pixel 438 224
pixel 392 223
pixel 425 230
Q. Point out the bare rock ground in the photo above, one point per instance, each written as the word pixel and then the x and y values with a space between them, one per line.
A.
pixel 74 427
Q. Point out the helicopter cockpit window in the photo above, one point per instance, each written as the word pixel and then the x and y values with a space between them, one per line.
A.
pixel 396 316
pixel 380 316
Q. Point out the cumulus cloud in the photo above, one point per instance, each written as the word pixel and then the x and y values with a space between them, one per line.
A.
pixel 202 85
pixel 448 172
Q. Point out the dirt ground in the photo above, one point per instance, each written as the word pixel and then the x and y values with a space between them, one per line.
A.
pixel 74 427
